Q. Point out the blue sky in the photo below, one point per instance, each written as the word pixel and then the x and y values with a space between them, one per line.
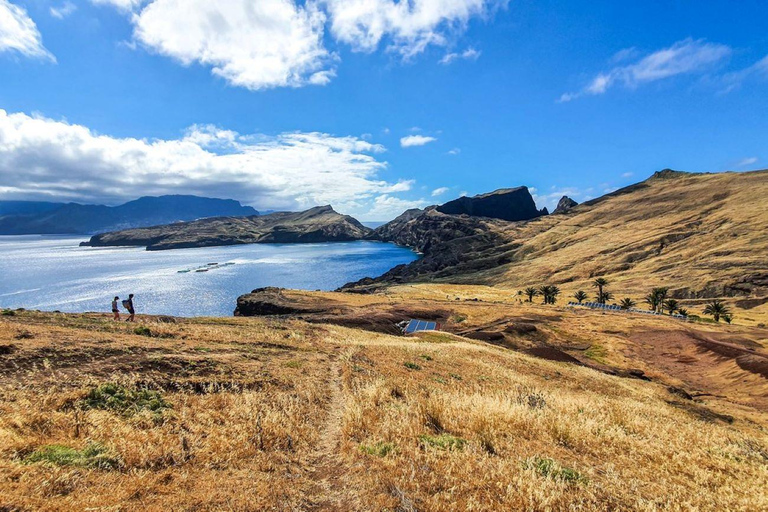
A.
pixel 371 105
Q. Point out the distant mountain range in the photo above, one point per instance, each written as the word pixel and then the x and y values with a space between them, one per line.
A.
pixel 32 217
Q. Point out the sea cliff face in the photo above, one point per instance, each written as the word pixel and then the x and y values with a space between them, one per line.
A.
pixel 319 224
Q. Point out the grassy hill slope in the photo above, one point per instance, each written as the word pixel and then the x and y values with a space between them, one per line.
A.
pixel 244 413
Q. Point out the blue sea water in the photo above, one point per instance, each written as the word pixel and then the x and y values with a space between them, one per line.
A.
pixel 54 273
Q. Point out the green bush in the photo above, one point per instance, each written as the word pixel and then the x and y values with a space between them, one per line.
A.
pixel 380 449
pixel 411 366
pixel 123 400
pixel 7 312
pixel 92 456
pixel 550 468
pixel 143 330
pixel 443 442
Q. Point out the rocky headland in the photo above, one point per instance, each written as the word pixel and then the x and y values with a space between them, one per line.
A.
pixel 319 224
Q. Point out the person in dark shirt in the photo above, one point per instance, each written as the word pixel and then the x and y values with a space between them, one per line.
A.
pixel 115 309
pixel 129 306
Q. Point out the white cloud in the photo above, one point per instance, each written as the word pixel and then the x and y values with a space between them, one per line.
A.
pixel 746 162
pixel 468 54
pixel 415 140
pixel 256 45
pixel 408 26
pixel 19 33
pixel 627 175
pixel 123 5
pixel 454 151
pixel 63 10
pixel 280 43
pixel 688 56
pixel 733 80
pixel 41 158
pixel 440 191
pixel 386 207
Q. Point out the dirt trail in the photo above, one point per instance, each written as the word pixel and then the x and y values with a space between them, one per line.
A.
pixel 329 487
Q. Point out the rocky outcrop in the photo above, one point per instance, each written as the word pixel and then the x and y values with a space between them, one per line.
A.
pixel 510 204
pixel 319 224
pixel 275 301
pixel 564 204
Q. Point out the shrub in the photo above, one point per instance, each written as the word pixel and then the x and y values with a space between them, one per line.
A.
pixel 143 330
pixel 123 400
pixel 8 312
pixel 426 357
pixel 550 468
pixel 459 318
pixel 379 449
pixel 443 442
pixel 293 364
pixel 411 366
pixel 92 456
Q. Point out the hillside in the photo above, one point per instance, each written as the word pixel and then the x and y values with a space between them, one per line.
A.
pixel 259 414
pixel 702 235
pixel 23 217
pixel 319 224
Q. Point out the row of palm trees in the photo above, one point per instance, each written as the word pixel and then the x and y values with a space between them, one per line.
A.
pixel 657 300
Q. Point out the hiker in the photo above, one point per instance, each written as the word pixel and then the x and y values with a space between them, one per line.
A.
pixel 115 310
pixel 128 304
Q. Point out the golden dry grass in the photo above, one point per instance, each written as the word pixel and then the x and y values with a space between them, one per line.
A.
pixel 284 415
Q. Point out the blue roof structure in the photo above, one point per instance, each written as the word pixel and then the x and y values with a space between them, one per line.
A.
pixel 420 325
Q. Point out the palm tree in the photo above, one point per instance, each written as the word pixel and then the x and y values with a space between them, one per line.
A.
pixel 605 297
pixel 550 293
pixel 531 292
pixel 656 299
pixel 717 309
pixel 672 305
pixel 682 312
pixel 627 303
pixel 580 296
pixel 728 318
pixel 600 283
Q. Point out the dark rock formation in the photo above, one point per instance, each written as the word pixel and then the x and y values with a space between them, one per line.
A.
pixel 564 204
pixel 319 224
pixel 272 301
pixel 22 217
pixel 511 204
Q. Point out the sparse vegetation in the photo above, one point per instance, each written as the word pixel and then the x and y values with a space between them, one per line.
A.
pixel 443 441
pixel 92 456
pixel 143 330
pixel 379 449
pixel 412 366
pixel 580 296
pixel 8 312
pixel 549 468
pixel 672 305
pixel 123 400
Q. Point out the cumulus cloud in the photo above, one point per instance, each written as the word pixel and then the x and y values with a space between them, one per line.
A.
pixel 688 56
pixel 468 54
pixel 256 45
pixel 440 191
pixel 416 140
pixel 63 10
pixel 41 158
pixel 408 27
pixel 280 43
pixel 18 33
